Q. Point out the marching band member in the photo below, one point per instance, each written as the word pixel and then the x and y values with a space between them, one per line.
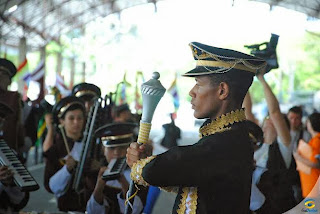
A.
pixel 214 174
pixel 62 151
pixel 86 92
pixel 12 199
pixel 13 127
pixel 109 196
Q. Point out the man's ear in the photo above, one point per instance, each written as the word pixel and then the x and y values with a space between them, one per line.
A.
pixel 224 90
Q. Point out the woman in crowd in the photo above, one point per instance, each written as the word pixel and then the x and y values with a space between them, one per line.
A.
pixel 308 180
pixel 273 160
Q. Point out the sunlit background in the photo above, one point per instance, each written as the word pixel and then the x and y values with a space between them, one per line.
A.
pixel 147 38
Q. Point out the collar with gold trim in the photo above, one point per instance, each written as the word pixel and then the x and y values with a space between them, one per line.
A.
pixel 220 124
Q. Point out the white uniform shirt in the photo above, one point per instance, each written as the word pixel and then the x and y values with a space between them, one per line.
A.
pixel 261 155
pixel 59 181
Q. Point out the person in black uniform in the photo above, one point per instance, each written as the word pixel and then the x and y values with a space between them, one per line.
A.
pixel 213 175
pixel 172 134
pixel 87 92
pixel 13 127
pixel 12 198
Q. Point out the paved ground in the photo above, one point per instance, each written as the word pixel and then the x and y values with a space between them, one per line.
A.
pixel 41 201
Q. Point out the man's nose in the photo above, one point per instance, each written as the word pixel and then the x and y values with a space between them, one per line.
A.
pixel 191 93
pixel 116 151
pixel 77 121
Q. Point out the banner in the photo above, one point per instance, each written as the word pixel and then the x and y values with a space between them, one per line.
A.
pixel 21 70
pixel 123 91
pixel 173 90
pixel 61 86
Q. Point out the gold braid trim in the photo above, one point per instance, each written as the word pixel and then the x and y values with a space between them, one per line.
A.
pixel 182 205
pixel 201 54
pixel 194 199
pixel 192 203
pixel 219 124
pixel 136 170
pixel 170 189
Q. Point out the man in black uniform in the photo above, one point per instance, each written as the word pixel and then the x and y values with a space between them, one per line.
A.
pixel 12 198
pixel 13 132
pixel 213 175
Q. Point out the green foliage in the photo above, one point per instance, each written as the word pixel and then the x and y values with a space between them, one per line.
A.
pixel 307 73
pixel 256 92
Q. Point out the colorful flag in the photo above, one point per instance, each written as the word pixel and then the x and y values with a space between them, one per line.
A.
pixel 61 86
pixel 21 70
pixel 37 75
pixel 138 99
pixel 173 90
pixel 56 93
pixel 40 131
pixel 123 92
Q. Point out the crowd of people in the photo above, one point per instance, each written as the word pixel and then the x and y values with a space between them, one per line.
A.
pixel 259 167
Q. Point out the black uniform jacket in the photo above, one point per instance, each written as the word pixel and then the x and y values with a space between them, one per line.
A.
pixel 212 176
pixel 70 201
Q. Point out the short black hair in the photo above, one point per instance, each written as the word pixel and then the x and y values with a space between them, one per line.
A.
pixel 296 110
pixel 239 82
pixel 314 119
pixel 122 108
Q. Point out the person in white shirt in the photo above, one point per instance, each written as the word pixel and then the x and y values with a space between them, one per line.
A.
pixel 62 151
pixel 274 158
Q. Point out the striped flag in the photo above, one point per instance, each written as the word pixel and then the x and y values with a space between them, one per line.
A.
pixel 61 86
pixel 21 70
pixel 37 75
pixel 173 90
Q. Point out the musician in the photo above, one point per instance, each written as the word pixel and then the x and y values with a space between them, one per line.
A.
pixel 109 196
pixel 213 175
pixel 12 128
pixel 87 92
pixel 12 199
pixel 62 150
pixel 123 113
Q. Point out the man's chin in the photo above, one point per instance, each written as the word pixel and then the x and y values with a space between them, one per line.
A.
pixel 197 116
